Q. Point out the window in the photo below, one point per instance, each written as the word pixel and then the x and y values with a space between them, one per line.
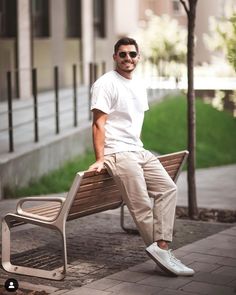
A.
pixel 40 18
pixel 73 18
pixel 8 18
pixel 99 15
pixel 176 6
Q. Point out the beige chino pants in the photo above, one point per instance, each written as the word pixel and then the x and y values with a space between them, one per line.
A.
pixel 140 176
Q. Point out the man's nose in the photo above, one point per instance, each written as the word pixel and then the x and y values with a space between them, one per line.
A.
pixel 127 57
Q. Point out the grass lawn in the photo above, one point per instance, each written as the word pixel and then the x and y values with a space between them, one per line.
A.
pixel 164 131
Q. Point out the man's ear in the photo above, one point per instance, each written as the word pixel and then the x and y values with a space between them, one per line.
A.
pixel 114 56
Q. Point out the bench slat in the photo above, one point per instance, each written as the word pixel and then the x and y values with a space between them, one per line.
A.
pixel 96 188
pixel 96 201
pixel 171 162
pixel 171 156
pixel 96 185
pixel 96 178
pixel 89 211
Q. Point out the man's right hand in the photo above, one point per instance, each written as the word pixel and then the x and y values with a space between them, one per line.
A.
pixel 97 166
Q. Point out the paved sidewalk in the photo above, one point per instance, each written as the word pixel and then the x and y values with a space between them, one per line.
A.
pixel 216 187
pixel 213 258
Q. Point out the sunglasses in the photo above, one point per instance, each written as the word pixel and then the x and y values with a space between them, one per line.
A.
pixel 131 54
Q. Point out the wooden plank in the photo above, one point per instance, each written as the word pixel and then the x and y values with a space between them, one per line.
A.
pixel 173 168
pixel 94 173
pixel 89 211
pixel 102 189
pixel 95 185
pixel 95 201
pixel 171 162
pixel 171 156
pixel 96 178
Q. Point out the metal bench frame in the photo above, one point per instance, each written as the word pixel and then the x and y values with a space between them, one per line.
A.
pixel 90 193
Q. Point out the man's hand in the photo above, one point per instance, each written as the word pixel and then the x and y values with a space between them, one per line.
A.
pixel 97 166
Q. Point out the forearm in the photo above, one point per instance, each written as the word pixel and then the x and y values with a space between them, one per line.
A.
pixel 98 141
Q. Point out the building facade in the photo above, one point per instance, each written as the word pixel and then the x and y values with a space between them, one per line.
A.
pixel 46 33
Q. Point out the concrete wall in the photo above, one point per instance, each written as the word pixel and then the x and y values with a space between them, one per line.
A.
pixel 19 169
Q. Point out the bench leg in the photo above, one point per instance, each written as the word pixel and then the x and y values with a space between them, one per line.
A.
pixel 122 221
pixel 56 274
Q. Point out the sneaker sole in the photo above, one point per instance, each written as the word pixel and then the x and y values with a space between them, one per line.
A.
pixel 160 264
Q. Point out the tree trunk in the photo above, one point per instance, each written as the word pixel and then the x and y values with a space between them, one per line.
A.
pixel 191 116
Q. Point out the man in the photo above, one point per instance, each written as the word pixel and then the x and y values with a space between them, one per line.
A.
pixel 118 103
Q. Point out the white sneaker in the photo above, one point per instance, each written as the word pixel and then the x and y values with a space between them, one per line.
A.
pixel 167 261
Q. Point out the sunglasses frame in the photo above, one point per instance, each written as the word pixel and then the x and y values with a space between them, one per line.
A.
pixel 123 54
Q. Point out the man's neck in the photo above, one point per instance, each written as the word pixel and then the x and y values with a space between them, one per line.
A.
pixel 127 75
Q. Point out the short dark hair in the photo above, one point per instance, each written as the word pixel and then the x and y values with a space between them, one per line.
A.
pixel 125 41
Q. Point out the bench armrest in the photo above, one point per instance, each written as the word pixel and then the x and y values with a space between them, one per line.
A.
pixel 22 212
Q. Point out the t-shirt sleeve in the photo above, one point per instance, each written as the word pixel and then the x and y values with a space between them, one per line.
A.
pixel 100 98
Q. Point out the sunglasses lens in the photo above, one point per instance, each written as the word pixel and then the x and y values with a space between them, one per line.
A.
pixel 122 54
pixel 132 54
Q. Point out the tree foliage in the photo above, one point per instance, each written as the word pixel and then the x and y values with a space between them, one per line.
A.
pixel 222 37
pixel 231 44
pixel 163 39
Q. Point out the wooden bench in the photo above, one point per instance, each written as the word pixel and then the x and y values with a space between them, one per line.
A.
pixel 90 193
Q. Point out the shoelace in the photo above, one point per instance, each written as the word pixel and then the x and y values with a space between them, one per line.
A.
pixel 172 257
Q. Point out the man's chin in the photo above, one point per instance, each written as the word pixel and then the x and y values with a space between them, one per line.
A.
pixel 128 69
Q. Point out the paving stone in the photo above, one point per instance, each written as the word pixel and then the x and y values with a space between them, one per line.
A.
pixel 199 257
pixel 230 231
pixel 87 291
pixel 224 252
pixel 104 284
pixel 133 289
pixel 174 292
pixel 165 281
pixel 226 270
pixel 146 267
pixel 207 289
pixel 232 284
pixel 203 267
pixel 128 276
pixel 212 278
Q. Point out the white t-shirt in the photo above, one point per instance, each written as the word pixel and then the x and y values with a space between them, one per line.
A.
pixel 125 101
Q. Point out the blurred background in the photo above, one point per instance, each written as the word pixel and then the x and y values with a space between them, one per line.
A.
pixel 46 33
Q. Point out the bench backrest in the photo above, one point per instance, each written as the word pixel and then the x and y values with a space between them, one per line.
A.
pixel 95 192
pixel 173 163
